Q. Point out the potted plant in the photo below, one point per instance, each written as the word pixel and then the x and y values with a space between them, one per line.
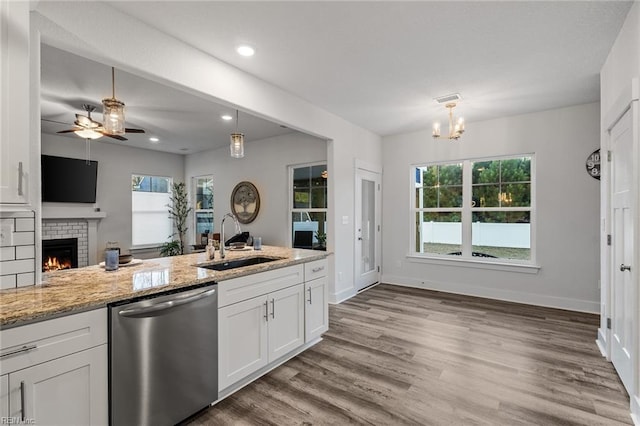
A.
pixel 322 239
pixel 179 212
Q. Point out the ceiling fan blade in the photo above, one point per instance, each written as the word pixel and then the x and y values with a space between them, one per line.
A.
pixel 127 130
pixel 118 137
pixel 68 131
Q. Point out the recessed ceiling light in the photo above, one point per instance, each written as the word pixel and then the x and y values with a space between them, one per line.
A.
pixel 153 139
pixel 227 117
pixel 245 50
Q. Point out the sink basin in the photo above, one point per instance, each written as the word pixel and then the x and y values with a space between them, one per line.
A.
pixel 231 264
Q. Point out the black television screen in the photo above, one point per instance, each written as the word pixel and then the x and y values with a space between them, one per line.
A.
pixel 68 180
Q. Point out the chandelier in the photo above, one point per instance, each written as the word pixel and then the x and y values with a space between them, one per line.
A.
pixel 455 130
pixel 237 142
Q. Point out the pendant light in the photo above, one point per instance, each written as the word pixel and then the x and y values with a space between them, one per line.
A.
pixel 113 110
pixel 237 142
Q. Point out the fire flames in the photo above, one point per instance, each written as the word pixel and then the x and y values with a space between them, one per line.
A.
pixel 54 264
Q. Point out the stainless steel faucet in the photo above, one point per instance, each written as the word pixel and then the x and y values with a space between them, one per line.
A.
pixel 238 230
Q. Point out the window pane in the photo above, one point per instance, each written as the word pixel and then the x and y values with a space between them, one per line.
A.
pixel 429 197
pixel 505 235
pixel 150 184
pixel 150 219
pixel 204 223
pixel 485 196
pixel 308 227
pixel 204 193
pixel 317 176
pixel 516 195
pixel 450 174
pixel 301 199
pixel 429 175
pixel 319 198
pixel 450 196
pixel 485 172
pixel 516 170
pixel 439 233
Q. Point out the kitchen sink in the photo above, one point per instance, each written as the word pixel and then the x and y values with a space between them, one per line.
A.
pixel 238 263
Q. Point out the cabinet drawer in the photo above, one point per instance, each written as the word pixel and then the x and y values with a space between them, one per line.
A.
pixel 35 343
pixel 315 269
pixel 243 288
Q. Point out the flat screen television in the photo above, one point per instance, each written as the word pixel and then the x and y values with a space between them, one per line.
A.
pixel 68 180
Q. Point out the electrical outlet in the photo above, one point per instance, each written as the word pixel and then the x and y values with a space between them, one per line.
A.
pixel 6 235
pixel 345 220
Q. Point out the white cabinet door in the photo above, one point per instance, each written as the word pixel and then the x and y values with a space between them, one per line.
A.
pixel 14 102
pixel 316 310
pixel 4 396
pixel 71 390
pixel 242 340
pixel 286 321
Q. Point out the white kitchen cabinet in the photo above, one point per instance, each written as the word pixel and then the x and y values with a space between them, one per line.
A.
pixel 286 321
pixel 316 313
pixel 55 371
pixel 14 102
pixel 242 340
pixel 256 332
pixel 4 396
pixel 66 391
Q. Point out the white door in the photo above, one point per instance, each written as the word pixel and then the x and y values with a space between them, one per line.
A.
pixel 622 250
pixel 367 221
pixel 286 321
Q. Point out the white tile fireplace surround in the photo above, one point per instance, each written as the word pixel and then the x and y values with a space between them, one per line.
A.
pixel 74 222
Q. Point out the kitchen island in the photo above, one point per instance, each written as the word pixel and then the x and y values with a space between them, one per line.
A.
pixel 76 290
pixel 57 345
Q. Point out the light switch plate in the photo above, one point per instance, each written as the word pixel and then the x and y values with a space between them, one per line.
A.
pixel 6 235
pixel 345 220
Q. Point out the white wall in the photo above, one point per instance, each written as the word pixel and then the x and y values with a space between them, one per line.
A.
pixel 79 27
pixel 265 165
pixel 567 208
pixel 116 164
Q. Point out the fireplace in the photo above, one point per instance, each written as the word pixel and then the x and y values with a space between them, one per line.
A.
pixel 59 254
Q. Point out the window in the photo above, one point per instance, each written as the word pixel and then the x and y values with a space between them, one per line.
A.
pixel 203 211
pixel 309 206
pixel 150 197
pixel 474 208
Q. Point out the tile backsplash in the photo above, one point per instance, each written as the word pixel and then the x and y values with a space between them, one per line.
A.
pixel 17 249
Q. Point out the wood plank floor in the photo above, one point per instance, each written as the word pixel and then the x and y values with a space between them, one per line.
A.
pixel 397 355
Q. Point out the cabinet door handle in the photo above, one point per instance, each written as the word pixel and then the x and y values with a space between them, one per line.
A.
pixel 309 290
pixel 318 269
pixel 266 310
pixel 273 308
pixel 20 192
pixel 23 402
pixel 25 348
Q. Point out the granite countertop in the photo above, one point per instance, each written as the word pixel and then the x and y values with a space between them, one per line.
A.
pixel 76 290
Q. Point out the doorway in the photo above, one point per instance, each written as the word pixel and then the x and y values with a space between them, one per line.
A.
pixel 367 226
pixel 623 291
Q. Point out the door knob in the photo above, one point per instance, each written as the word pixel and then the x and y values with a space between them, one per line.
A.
pixel 624 267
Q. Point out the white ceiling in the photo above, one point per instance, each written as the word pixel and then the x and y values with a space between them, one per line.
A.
pixel 377 64
pixel 184 123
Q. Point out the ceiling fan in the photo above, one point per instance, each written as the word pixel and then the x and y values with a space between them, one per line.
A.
pixel 113 112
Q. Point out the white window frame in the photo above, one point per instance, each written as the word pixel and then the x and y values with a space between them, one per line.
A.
pixel 514 265
pixel 292 210
pixel 166 208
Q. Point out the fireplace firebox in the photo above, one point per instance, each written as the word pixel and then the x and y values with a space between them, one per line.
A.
pixel 59 254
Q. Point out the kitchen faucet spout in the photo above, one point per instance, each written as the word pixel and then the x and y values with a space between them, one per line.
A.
pixel 235 220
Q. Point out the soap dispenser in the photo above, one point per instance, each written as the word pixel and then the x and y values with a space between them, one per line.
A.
pixel 211 250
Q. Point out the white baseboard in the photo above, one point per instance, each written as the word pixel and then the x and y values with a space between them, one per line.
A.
pixel 498 294
pixel 601 341
pixel 340 297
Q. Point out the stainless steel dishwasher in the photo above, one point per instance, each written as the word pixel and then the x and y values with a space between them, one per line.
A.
pixel 163 357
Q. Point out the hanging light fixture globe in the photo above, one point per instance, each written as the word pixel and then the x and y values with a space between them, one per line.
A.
pixel 113 111
pixel 236 147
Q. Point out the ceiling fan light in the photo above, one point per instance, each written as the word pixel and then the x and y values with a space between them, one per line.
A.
pixel 88 134
pixel 113 116
pixel 237 145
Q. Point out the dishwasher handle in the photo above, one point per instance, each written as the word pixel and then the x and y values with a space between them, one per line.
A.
pixel 163 306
